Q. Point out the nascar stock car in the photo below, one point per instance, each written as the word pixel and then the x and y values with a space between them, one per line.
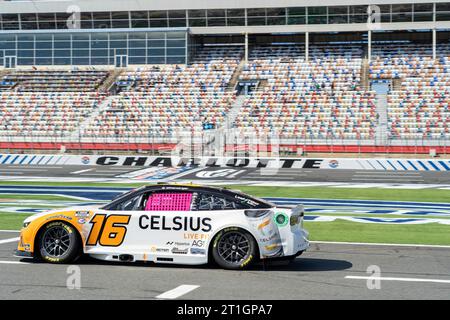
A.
pixel 167 223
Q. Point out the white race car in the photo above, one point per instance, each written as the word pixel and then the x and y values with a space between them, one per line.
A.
pixel 179 224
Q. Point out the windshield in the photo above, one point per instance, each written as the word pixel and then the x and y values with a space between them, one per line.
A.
pixel 123 195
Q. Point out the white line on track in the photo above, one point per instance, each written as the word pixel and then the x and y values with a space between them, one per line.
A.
pixel 51 194
pixel 13 262
pixel 404 176
pixel 34 166
pixel 12 231
pixel 383 244
pixel 289 174
pixel 177 292
pixel 25 170
pixel 99 174
pixel 385 179
pixel 413 178
pixel 9 240
pixel 389 172
pixel 257 177
pixel 81 171
pixel 110 171
pixel 397 279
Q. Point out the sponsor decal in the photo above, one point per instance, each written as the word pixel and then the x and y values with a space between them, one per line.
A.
pixel 269 239
pixel 85 160
pixel 281 219
pixel 177 223
pixel 155 173
pixel 248 201
pixel 180 244
pixel 195 236
pixel 174 188
pixel 215 174
pixel 333 164
pixel 198 243
pixel 155 249
pixel 267 233
pixel 272 246
pixel 247 261
pixel 82 221
pixel 263 224
pixel 51 259
pixel 82 214
pixel 60 216
pixel 198 251
pixel 180 251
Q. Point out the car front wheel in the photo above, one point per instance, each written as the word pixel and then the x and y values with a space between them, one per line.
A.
pixel 234 249
pixel 58 242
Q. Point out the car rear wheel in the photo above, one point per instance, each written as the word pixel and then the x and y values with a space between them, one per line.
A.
pixel 234 249
pixel 58 242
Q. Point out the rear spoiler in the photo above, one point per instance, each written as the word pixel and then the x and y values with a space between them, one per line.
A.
pixel 296 209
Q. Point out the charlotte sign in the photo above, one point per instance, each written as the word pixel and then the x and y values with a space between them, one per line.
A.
pixel 230 162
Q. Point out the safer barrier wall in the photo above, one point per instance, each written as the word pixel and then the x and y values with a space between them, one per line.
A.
pixel 299 163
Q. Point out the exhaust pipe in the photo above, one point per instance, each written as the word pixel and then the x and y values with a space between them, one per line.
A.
pixel 126 258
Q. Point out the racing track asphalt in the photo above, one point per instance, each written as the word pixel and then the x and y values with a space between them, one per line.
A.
pixel 236 174
pixel 318 274
pixel 321 273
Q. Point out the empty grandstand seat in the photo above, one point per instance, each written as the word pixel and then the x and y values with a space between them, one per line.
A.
pixel 171 100
pixel 315 99
pixel 419 107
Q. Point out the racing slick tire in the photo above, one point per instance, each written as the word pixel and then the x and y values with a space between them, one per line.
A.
pixel 234 249
pixel 58 242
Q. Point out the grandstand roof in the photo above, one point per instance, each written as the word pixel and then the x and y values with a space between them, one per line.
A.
pixel 135 5
pixel 213 17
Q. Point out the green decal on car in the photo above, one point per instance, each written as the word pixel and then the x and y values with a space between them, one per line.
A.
pixel 281 219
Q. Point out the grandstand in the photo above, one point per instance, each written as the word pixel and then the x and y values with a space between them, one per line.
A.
pixel 171 100
pixel 99 75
